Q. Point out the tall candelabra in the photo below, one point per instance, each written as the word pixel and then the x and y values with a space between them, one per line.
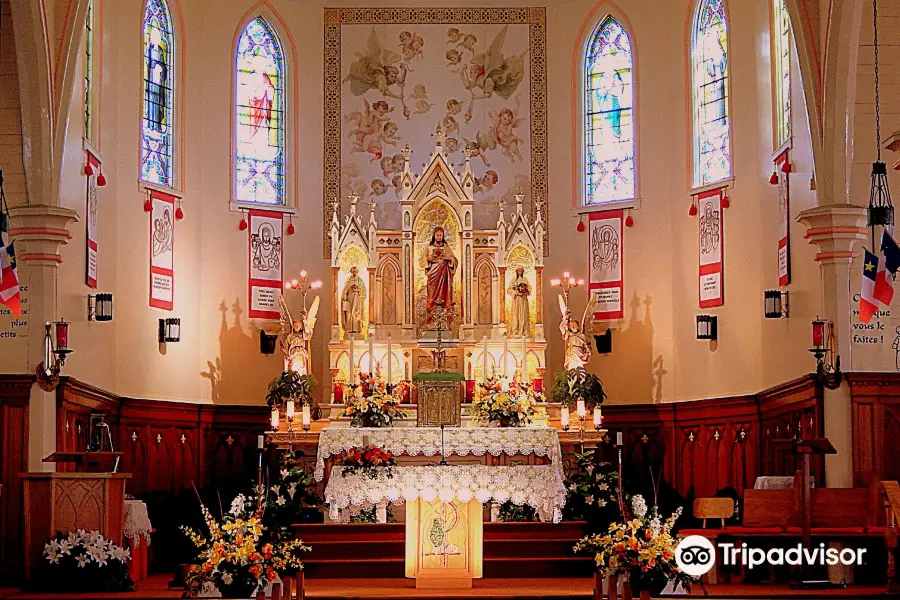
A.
pixel 567 283
pixel 304 285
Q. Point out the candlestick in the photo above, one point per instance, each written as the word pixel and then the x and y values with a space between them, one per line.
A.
pixel 289 412
pixel 564 418
pixel 505 351
pixel 484 358
pixel 260 441
pixel 306 416
pixel 524 353
pixel 274 418
pixel 579 408
pixel 618 438
pixel 371 354
pixel 352 365
pixel 598 418
pixel 389 359
pixel 504 385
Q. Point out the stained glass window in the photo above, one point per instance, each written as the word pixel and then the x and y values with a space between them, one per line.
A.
pixel 781 68
pixel 609 116
pixel 259 138
pixel 156 120
pixel 88 70
pixel 711 122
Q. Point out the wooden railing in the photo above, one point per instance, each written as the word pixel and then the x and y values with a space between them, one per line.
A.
pixel 890 491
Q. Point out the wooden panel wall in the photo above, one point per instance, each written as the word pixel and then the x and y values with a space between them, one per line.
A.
pixel 14 395
pixel 784 411
pixel 876 426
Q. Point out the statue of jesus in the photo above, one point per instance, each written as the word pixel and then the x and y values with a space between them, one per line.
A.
pixel 440 264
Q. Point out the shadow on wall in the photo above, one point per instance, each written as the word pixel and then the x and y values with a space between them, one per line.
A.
pixel 630 373
pixel 241 373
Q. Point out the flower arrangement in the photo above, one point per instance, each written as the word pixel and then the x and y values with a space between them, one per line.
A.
pixel 237 555
pixel 506 405
pixel 370 405
pixel 592 492
pixel 640 549
pixel 368 460
pixel 84 562
pixel 292 498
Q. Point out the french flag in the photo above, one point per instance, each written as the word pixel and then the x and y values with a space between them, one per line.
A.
pixel 867 305
pixel 884 277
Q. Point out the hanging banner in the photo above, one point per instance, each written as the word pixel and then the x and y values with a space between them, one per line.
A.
pixel 162 250
pixel 784 216
pixel 712 288
pixel 605 263
pixel 265 258
pixel 90 275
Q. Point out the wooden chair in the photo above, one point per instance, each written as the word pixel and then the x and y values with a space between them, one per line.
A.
pixel 711 508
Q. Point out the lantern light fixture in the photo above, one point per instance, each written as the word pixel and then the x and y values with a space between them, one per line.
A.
pixel 100 307
pixel 169 330
pixel 707 327
pixel 48 370
pixel 776 304
pixel 828 363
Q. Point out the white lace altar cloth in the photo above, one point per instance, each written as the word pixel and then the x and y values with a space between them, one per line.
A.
pixel 539 486
pixel 426 441
pixel 137 522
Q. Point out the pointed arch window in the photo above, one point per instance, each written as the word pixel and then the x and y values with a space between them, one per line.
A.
pixel 89 72
pixel 709 69
pixel 259 123
pixel 781 72
pixel 609 115
pixel 157 164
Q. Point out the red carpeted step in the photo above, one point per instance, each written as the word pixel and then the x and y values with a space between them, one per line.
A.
pixel 372 568
pixel 538 567
pixel 358 532
pixel 344 549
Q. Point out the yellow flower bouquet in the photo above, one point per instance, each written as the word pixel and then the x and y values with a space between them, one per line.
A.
pixel 371 405
pixel 506 405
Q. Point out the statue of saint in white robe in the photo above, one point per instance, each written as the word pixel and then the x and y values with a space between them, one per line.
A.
pixel 353 298
pixel 519 317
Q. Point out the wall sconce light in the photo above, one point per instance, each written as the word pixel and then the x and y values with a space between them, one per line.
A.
pixel 48 370
pixel 828 363
pixel 604 342
pixel 100 307
pixel 267 342
pixel 776 304
pixel 707 327
pixel 169 330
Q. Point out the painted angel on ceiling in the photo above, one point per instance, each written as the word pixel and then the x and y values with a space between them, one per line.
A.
pixel 378 69
pixel 295 336
pixel 493 73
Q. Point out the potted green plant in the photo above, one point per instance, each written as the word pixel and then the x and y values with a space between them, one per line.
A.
pixel 577 384
pixel 290 384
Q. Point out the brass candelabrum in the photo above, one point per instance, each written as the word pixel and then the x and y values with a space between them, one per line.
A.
pixel 303 285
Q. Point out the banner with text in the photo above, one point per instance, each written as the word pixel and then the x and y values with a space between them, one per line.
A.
pixel 784 216
pixel 265 263
pixel 711 285
pixel 162 250
pixel 605 261
pixel 90 276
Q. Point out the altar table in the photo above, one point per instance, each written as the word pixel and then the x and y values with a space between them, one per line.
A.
pixel 426 441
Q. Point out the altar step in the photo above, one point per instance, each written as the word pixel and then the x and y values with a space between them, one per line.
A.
pixel 378 550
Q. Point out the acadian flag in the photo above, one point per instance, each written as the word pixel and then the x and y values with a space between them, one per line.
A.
pixel 884 278
pixel 867 305
pixel 9 281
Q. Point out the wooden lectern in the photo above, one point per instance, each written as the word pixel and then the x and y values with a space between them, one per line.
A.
pixel 70 501
pixel 444 542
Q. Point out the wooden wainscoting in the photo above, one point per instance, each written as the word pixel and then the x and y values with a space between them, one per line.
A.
pixel 15 391
pixel 786 410
pixel 876 426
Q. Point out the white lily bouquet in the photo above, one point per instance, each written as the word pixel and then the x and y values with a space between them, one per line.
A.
pixel 84 562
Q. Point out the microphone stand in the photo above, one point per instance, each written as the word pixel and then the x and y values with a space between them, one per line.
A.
pixel 443 462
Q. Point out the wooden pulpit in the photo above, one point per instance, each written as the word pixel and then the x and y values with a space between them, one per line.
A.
pixel 444 543
pixel 67 502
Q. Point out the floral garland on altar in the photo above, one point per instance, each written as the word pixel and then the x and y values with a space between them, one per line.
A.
pixel 368 460
pixel 370 404
pixel 503 404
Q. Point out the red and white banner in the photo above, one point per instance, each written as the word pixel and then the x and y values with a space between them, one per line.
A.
pixel 712 275
pixel 162 250
pixel 265 263
pixel 784 219
pixel 605 264
pixel 90 275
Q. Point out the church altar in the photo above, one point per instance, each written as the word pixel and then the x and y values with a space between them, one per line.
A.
pixel 539 486
pixel 426 441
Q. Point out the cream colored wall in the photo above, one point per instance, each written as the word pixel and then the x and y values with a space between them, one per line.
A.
pixel 655 356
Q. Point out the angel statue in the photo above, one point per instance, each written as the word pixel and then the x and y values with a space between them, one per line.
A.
pixel 295 336
pixel 578 350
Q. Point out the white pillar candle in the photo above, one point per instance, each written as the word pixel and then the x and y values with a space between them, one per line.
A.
pixel 618 438
pixel 564 416
pixel 505 352
pixel 306 415
pixel 389 359
pixel 598 418
pixel 371 354
pixel 484 358
pixel 504 385
pixel 579 408
pixel 260 441
pixel 274 418
pixel 289 411
pixel 352 378
pixel 524 353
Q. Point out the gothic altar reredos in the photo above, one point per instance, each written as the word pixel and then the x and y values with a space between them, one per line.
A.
pixel 379 282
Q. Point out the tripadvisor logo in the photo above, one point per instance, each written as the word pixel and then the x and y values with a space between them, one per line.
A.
pixel 695 555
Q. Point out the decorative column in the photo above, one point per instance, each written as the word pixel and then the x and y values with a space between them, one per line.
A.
pixel 502 272
pixel 539 295
pixel 39 231
pixel 371 300
pixel 335 304
pixel 835 229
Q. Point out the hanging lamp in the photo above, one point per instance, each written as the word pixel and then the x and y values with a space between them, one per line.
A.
pixel 880 210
